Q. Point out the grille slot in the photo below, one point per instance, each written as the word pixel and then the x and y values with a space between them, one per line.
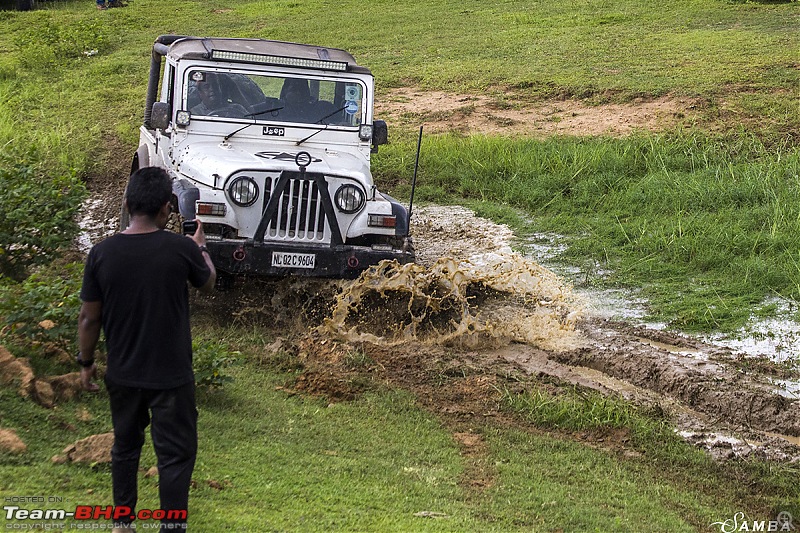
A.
pixel 299 215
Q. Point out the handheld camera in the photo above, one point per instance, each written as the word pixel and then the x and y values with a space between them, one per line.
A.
pixel 189 227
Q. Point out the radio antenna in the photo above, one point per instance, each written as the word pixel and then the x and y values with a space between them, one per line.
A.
pixel 414 180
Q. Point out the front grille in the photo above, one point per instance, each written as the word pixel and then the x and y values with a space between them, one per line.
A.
pixel 300 215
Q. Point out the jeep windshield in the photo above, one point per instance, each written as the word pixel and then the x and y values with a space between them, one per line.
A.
pixel 274 98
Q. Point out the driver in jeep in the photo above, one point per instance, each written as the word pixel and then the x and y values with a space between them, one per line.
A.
pixel 213 100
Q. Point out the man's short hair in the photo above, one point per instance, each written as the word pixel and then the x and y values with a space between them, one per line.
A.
pixel 148 190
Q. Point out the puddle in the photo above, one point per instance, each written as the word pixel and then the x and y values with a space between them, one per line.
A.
pixel 93 227
pixel 788 438
pixel 693 353
pixel 786 388
pixel 775 338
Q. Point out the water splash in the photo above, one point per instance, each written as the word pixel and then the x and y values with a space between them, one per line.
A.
pixel 495 299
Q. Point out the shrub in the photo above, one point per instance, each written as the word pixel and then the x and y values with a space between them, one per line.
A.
pixel 211 358
pixel 37 220
pixel 44 307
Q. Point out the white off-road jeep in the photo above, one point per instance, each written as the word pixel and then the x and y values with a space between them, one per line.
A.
pixel 269 145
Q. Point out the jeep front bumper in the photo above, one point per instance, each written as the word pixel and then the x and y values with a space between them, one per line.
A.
pixel 282 259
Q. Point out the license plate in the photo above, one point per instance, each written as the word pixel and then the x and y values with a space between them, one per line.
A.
pixel 292 260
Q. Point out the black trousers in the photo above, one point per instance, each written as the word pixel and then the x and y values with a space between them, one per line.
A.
pixel 174 434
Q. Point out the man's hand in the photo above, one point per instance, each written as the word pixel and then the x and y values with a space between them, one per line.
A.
pixel 199 235
pixel 88 375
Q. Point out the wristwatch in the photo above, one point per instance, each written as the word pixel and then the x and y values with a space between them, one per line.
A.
pixel 81 362
pixel 203 248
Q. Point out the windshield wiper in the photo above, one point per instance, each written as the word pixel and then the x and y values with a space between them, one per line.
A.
pixel 251 115
pixel 265 112
pixel 301 141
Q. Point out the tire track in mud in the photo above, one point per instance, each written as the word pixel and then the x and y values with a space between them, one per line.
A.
pixel 723 393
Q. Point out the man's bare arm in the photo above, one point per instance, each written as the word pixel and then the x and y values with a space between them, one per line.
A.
pixel 212 279
pixel 199 237
pixel 89 324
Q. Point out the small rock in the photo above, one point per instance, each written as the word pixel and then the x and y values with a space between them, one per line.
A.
pixel 93 449
pixel 58 353
pixel 47 324
pixel 278 346
pixel 43 393
pixel 67 386
pixel 15 370
pixel 5 356
pixel 10 441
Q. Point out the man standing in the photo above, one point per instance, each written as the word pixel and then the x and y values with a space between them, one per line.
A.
pixel 134 286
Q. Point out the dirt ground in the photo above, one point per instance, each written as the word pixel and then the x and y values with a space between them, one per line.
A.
pixel 498 115
pixel 472 318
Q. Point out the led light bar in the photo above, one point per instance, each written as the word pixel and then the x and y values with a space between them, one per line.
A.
pixel 246 57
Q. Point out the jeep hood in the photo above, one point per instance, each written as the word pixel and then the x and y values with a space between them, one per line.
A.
pixel 200 161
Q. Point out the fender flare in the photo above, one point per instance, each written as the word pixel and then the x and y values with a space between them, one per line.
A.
pixel 187 194
pixel 400 211
pixel 140 159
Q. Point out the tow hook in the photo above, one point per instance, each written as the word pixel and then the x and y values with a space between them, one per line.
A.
pixel 352 261
pixel 239 254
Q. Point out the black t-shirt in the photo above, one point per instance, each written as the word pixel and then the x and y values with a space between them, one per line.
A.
pixel 141 281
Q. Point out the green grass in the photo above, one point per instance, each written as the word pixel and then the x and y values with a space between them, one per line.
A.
pixel 275 462
pixel 740 57
pixel 706 227
pixel 703 219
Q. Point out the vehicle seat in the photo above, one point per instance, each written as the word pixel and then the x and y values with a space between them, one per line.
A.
pixel 297 98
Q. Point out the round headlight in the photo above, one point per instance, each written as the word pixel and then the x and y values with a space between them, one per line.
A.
pixel 243 191
pixel 349 198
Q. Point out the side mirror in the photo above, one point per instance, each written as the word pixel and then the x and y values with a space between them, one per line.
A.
pixel 160 115
pixel 380 133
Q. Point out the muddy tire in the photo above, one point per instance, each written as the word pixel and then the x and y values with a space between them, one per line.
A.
pixel 175 222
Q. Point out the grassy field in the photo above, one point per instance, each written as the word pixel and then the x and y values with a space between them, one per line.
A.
pixel 707 211
pixel 706 229
pixel 272 461
pixel 702 218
